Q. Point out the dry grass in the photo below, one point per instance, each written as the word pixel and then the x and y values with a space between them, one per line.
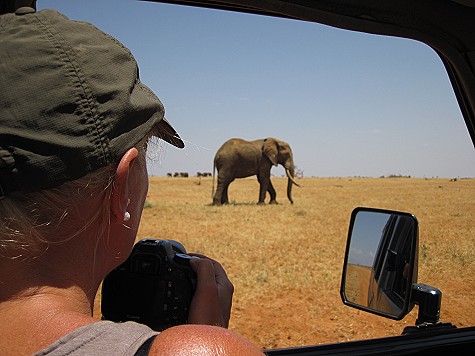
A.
pixel 285 260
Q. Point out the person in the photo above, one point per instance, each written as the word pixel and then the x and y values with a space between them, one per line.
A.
pixel 75 121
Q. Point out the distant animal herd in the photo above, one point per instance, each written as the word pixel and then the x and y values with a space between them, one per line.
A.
pixel 186 175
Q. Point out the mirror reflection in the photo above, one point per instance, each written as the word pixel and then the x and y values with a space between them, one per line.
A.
pixel 380 262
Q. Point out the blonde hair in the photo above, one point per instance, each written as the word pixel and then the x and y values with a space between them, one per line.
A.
pixel 29 223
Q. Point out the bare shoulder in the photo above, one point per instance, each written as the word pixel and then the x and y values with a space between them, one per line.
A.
pixel 202 340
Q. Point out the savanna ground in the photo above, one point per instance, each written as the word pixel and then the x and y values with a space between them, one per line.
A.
pixel 286 260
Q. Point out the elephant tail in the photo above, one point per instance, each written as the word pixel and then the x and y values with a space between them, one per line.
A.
pixel 212 186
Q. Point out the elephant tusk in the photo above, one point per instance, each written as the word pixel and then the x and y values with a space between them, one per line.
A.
pixel 292 178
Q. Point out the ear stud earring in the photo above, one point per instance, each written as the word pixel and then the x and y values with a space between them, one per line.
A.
pixel 126 216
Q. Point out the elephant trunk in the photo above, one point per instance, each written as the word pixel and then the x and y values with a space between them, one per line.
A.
pixel 291 181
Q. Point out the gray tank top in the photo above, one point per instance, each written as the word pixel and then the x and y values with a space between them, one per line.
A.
pixel 101 338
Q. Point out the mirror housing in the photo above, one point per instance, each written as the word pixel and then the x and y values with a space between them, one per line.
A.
pixel 380 266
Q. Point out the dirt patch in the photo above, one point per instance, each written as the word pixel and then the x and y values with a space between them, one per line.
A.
pixel 291 319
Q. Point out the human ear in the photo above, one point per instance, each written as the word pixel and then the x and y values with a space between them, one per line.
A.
pixel 120 194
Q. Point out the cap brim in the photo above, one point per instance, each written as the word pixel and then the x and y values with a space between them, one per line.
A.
pixel 168 133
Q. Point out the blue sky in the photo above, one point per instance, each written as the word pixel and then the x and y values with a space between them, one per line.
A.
pixel 349 104
pixel 365 237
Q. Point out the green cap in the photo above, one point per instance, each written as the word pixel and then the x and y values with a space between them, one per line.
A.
pixel 71 101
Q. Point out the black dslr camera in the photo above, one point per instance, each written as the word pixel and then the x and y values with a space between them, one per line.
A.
pixel 154 286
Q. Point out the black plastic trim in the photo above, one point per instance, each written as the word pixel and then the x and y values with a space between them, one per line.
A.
pixel 457 341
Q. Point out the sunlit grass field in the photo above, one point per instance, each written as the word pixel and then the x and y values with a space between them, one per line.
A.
pixel 286 260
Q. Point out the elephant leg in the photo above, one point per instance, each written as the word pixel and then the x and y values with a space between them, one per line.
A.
pixel 225 198
pixel 272 193
pixel 217 195
pixel 221 194
pixel 262 190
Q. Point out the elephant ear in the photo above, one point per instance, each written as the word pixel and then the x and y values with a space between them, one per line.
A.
pixel 270 150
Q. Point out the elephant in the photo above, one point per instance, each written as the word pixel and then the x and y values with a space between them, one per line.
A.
pixel 238 158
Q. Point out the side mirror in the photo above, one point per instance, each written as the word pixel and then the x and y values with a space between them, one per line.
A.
pixel 380 265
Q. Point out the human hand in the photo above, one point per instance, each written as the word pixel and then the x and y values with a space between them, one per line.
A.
pixel 211 303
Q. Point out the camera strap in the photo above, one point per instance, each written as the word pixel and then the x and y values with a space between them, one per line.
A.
pixel 145 348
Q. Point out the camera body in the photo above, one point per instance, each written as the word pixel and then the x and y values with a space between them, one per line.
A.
pixel 154 286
